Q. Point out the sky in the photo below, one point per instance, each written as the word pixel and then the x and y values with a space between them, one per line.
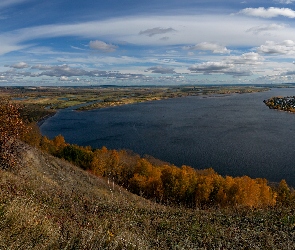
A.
pixel 154 42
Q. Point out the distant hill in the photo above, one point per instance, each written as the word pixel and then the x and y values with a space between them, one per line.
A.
pixel 47 203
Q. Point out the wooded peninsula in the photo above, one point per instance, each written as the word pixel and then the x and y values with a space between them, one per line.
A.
pixel 281 103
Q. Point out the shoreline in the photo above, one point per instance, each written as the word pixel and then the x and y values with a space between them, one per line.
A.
pixel 43 119
pixel 110 104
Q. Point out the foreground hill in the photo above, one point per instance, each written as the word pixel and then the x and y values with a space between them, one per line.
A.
pixel 47 203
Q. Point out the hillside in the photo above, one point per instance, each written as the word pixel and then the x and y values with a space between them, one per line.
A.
pixel 47 203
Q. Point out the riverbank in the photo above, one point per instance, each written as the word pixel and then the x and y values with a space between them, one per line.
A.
pixel 134 98
pixel 64 97
pixel 43 119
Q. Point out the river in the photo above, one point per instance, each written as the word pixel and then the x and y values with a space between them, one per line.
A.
pixel 234 134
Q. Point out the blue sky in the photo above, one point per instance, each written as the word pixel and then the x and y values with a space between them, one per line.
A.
pixel 128 42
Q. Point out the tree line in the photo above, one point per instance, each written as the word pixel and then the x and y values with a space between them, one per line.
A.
pixel 164 182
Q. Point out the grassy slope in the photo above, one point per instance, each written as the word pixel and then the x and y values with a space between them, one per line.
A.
pixel 50 204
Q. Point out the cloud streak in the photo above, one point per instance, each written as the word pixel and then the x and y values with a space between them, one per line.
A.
pixel 161 70
pixel 156 31
pixel 266 28
pixel 207 46
pixel 6 3
pixel 285 1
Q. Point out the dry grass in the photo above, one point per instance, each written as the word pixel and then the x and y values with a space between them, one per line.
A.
pixel 49 204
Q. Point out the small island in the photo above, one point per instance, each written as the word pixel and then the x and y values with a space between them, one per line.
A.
pixel 281 103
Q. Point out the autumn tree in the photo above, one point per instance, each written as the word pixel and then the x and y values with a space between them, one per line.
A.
pixel 59 143
pixel 284 192
pixel 33 137
pixel 147 180
pixel 80 156
pixel 204 188
pixel 267 195
pixel 188 182
pixel 99 162
pixel 11 128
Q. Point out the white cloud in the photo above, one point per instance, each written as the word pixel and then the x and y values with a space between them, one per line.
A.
pixel 20 65
pixel 232 65
pixel 250 58
pixel 220 68
pixel 102 46
pixel 63 78
pixel 268 13
pixel 213 47
pixel 211 67
pixel 64 72
pixel 286 47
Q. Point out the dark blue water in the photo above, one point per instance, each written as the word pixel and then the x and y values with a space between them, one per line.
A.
pixel 236 135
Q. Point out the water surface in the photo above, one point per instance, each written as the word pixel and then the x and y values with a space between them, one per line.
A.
pixel 234 134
